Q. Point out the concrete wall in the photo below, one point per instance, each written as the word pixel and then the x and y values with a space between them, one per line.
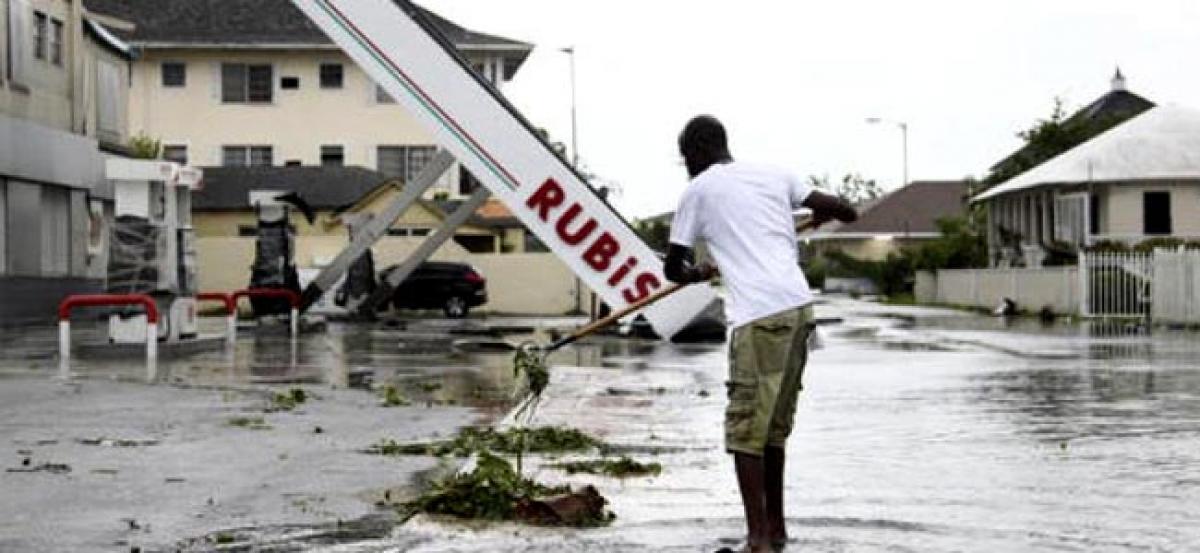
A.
pixel 1032 289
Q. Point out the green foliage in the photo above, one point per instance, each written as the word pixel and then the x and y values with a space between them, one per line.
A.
pixel 251 423
pixel 1050 137
pixel 853 188
pixel 144 147
pixel 490 492
pixel 618 468
pixel 546 439
pixel 287 401
pixel 1145 246
pixel 655 233
pixel 960 246
pixel 530 362
pixel 391 397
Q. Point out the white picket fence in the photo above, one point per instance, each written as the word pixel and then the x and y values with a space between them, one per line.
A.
pixel 1176 296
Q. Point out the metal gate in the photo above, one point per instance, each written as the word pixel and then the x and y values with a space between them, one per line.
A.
pixel 1117 284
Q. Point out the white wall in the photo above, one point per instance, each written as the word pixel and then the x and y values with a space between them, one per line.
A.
pixel 1031 289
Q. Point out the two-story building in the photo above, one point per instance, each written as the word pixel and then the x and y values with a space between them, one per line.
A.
pixel 253 83
pixel 63 95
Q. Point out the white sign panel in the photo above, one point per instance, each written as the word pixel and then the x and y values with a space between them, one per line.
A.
pixel 471 122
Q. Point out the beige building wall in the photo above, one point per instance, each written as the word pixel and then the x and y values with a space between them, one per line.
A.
pixel 295 124
pixel 1124 209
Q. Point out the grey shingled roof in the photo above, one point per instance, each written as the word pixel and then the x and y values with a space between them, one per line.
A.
pixel 915 208
pixel 324 188
pixel 250 22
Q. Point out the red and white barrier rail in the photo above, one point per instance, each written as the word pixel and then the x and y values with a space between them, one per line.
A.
pixel 107 300
pixel 230 304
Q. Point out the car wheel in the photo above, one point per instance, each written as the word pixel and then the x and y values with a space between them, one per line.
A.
pixel 455 307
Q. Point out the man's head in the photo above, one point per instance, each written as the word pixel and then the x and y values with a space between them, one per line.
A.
pixel 703 143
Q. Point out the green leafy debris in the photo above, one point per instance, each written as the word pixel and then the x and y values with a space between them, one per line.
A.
pixel 393 398
pixel 529 361
pixel 252 423
pixel 546 439
pixel 495 491
pixel 287 401
pixel 617 468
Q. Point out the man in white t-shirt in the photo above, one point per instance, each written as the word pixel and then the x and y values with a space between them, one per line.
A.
pixel 743 214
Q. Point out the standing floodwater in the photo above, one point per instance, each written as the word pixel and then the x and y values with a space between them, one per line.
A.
pixel 919 430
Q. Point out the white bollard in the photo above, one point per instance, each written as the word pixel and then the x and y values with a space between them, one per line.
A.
pixel 151 351
pixel 231 329
pixel 295 316
pixel 64 349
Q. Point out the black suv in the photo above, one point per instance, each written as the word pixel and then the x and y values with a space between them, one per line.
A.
pixel 453 287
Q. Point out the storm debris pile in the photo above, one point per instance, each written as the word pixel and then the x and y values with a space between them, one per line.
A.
pixel 623 467
pixel 514 441
pixel 495 491
pixel 528 361
pixel 287 401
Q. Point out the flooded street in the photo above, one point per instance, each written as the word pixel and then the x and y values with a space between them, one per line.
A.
pixel 919 430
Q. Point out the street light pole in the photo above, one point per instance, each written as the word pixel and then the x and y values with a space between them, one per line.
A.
pixel 903 140
pixel 570 51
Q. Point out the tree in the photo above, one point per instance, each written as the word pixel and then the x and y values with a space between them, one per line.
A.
pixel 853 188
pixel 1051 136
pixel 655 233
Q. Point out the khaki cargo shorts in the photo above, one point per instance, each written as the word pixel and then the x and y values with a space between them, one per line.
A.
pixel 766 366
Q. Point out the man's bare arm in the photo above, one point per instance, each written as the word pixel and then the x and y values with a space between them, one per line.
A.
pixel 827 207
pixel 681 268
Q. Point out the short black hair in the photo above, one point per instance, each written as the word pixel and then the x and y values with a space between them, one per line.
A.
pixel 703 136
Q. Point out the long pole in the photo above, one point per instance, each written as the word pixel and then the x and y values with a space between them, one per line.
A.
pixel 904 140
pixel 570 51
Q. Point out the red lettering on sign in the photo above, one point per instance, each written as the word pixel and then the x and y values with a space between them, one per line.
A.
pixel 548 196
pixel 574 238
pixel 622 271
pixel 644 285
pixel 599 255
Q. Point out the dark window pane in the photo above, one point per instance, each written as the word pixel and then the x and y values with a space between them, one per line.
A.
pixel 382 96
pixel 174 74
pixel 56 43
pixel 1156 212
pixel 233 156
pixel 1094 214
pixel 176 153
pixel 332 156
pixel 418 156
pixel 233 82
pixel 261 83
pixel 260 156
pixel 289 83
pixel 39 35
pixel 331 75
pixel 467 183
pixel 389 160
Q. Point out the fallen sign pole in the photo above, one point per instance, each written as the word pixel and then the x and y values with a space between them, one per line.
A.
pixel 391 41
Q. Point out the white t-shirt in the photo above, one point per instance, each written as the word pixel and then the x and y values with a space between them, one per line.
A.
pixel 743 213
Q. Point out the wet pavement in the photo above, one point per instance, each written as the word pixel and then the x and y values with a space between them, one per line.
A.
pixel 919 430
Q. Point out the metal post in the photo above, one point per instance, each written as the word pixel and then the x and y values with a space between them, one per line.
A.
pixel 904 139
pixel 388 286
pixel 294 321
pixel 570 51
pixel 377 227
pixel 231 328
pixel 64 349
pixel 151 350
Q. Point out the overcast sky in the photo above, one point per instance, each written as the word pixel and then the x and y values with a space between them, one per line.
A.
pixel 794 81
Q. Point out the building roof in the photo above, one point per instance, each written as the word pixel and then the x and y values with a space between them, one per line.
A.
pixel 492 214
pixel 255 23
pixel 912 209
pixel 1118 105
pixel 1160 144
pixel 324 188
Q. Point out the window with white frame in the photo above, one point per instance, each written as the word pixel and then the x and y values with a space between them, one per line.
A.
pixel 333 156
pixel 246 156
pixel 243 83
pixel 331 75
pixel 56 42
pixel 403 162
pixel 40 21
pixel 174 74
